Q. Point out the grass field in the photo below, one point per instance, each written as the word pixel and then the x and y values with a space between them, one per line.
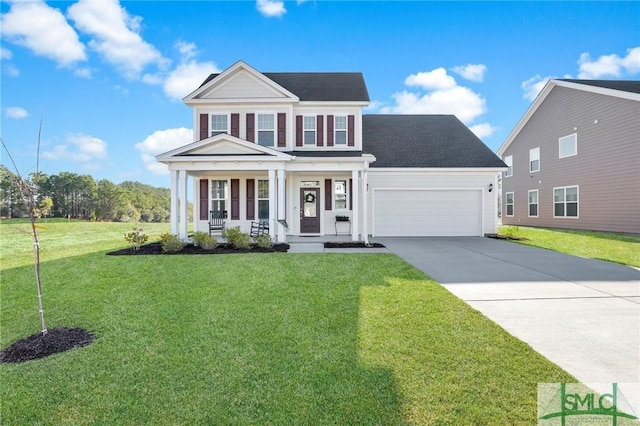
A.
pixel 252 339
pixel 612 247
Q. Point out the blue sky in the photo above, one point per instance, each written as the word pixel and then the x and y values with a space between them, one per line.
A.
pixel 107 77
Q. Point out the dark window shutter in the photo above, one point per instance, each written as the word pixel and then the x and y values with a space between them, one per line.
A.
pixel 351 141
pixel 282 129
pixel 298 130
pixel 329 130
pixel 251 199
pixel 235 199
pixel 319 130
pixel 235 125
pixel 204 126
pixel 204 199
pixel 327 194
pixel 350 194
pixel 251 121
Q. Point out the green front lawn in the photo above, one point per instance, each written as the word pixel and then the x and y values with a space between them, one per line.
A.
pixel 612 247
pixel 257 339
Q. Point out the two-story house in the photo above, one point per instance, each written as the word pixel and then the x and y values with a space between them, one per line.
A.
pixel 574 158
pixel 295 150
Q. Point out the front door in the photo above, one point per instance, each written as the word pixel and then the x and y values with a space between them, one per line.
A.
pixel 310 213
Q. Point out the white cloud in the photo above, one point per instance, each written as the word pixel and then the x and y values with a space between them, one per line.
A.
pixel 483 130
pixel 473 72
pixel 271 8
pixel 43 30
pixel 79 148
pixel 187 50
pixel 437 79
pixel 533 86
pixel 609 65
pixel 83 72
pixel 187 77
pixel 16 113
pixel 162 141
pixel 116 36
pixel 5 53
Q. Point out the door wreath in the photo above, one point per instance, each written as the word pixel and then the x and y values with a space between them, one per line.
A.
pixel 310 197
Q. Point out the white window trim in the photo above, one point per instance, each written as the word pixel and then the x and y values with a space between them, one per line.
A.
pixel 227 199
pixel 274 129
pixel 553 199
pixel 258 199
pixel 529 203
pixel 575 137
pixel 227 131
pixel 506 204
pixel 346 193
pixel 305 130
pixel 345 130
pixel 534 154
pixel 508 160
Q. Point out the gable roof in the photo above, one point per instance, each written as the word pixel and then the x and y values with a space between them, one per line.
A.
pixel 319 86
pixel 624 89
pixel 424 141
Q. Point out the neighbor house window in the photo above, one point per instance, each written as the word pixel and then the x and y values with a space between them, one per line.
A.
pixel 534 160
pixel 340 129
pixel 340 194
pixel 263 199
pixel 533 203
pixel 508 160
pixel 219 124
pixel 565 201
pixel 509 198
pixel 568 146
pixel 219 196
pixel 309 125
pixel 266 129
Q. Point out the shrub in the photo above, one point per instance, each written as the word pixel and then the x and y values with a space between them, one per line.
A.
pixel 136 237
pixel 264 241
pixel 237 238
pixel 171 243
pixel 204 240
pixel 511 232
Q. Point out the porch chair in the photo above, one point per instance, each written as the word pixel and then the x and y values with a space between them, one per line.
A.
pixel 259 228
pixel 216 221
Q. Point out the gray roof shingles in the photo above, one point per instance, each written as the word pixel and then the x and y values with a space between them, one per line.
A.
pixel 439 141
pixel 632 86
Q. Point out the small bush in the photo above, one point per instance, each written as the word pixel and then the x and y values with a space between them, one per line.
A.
pixel 204 240
pixel 237 238
pixel 136 237
pixel 264 241
pixel 171 243
pixel 511 232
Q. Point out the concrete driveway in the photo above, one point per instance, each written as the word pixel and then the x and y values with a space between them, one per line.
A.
pixel 582 314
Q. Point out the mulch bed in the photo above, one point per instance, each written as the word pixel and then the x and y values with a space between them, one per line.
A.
pixel 354 244
pixel 38 346
pixel 156 248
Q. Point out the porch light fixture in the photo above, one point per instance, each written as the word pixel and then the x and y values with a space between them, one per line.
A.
pixel 490 187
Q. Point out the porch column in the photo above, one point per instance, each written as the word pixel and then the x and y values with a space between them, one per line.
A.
pixel 281 208
pixel 174 202
pixel 355 206
pixel 182 184
pixel 365 206
pixel 272 203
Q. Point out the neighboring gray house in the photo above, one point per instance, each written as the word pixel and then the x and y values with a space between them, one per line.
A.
pixel 574 158
pixel 296 151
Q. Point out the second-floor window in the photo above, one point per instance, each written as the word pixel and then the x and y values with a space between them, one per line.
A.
pixel 534 160
pixel 508 160
pixel 309 123
pixel 219 124
pixel 568 146
pixel 266 129
pixel 340 129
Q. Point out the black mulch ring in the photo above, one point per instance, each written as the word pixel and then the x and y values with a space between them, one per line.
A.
pixel 38 346
pixel 353 245
pixel 504 237
pixel 156 248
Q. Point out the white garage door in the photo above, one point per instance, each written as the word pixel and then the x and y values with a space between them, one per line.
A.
pixel 426 213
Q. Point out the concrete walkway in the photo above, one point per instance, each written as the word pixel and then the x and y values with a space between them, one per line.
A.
pixel 582 314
